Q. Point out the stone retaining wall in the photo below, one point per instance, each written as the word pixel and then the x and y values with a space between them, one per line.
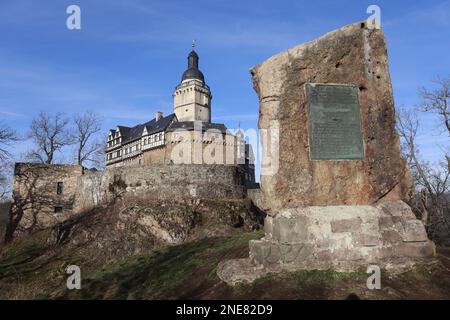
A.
pixel 160 181
pixel 40 205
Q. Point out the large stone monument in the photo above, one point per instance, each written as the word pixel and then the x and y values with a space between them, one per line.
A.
pixel 336 198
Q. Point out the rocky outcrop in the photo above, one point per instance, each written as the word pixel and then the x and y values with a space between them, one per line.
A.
pixel 353 55
pixel 135 224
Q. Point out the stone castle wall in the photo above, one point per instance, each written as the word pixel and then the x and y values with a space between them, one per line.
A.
pixel 35 192
pixel 154 156
pixel 195 147
pixel 35 187
pixel 159 181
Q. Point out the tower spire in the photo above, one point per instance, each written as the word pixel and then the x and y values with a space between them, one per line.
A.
pixel 192 97
pixel 192 71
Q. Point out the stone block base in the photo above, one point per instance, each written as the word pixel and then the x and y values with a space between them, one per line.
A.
pixel 343 238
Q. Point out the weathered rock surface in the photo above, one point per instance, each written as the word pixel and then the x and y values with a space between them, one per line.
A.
pixel 352 55
pixel 239 271
pixel 133 225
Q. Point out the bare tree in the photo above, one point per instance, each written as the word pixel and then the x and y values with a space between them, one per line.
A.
pixel 432 182
pixel 6 173
pixel 7 137
pixel 86 127
pixel 50 134
pixel 438 100
pixel 3 186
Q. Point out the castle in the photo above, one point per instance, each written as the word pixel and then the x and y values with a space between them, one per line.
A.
pixel 180 156
pixel 186 136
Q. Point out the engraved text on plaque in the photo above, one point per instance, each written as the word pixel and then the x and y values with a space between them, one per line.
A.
pixel 334 122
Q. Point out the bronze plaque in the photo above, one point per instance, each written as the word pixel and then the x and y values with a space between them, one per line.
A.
pixel 334 122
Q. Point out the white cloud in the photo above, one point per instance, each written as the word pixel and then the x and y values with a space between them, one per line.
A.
pixel 12 114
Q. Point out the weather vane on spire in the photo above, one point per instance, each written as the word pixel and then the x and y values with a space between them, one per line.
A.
pixel 193 44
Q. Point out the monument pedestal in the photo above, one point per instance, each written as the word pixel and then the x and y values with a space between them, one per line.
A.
pixel 342 238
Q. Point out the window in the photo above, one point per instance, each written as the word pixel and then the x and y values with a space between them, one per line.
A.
pixel 58 209
pixel 59 188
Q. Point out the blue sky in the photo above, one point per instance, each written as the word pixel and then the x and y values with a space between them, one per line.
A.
pixel 129 55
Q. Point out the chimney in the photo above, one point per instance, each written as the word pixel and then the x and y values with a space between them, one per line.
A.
pixel 158 116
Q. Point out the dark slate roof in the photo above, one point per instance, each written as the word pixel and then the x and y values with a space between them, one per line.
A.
pixel 162 124
pixel 193 71
pixel 153 126
pixel 189 126
pixel 124 131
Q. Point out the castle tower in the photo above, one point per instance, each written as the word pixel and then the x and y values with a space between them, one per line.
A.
pixel 240 147
pixel 192 97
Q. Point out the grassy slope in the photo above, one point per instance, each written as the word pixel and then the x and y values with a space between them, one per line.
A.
pixel 31 269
